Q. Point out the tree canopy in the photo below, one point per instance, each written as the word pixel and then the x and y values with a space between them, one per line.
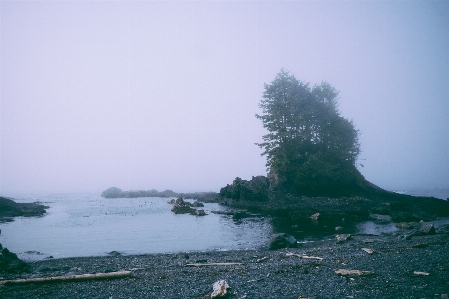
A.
pixel 308 142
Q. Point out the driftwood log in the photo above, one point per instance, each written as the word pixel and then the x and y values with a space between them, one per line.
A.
pixel 305 256
pixel 98 276
pixel 211 264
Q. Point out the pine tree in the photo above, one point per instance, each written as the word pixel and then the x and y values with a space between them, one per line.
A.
pixel 308 142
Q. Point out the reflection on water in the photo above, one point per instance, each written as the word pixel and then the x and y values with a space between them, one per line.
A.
pixel 89 225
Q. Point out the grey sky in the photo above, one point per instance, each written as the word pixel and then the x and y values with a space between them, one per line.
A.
pixel 143 95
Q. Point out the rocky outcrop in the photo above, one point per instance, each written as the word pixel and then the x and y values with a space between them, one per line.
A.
pixel 10 263
pixel 182 207
pixel 9 208
pixel 274 196
pixel 254 190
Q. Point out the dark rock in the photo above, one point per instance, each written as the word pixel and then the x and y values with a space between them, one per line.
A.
pixel 171 201
pixel 9 262
pixel 254 190
pixel 114 253
pixel 283 240
pixel 425 228
pixel 227 212
pixel 199 213
pixel 182 207
pixel 197 204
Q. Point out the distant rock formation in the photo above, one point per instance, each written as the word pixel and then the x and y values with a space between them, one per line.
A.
pixel 115 192
pixel 9 208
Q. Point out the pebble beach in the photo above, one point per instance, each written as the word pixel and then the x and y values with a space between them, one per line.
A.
pixel 385 266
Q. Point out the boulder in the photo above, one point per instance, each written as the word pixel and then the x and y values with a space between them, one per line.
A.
pixel 197 204
pixel 425 228
pixel 9 262
pixel 342 237
pixel 283 240
pixel 200 213
pixel 182 207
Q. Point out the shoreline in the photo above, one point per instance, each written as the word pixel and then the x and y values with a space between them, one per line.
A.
pixel 262 273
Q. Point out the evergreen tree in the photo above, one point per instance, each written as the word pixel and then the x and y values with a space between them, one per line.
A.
pixel 308 142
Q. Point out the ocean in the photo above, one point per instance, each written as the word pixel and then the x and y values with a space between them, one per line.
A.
pixel 90 225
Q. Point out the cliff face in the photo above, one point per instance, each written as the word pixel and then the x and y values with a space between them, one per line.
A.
pixel 255 190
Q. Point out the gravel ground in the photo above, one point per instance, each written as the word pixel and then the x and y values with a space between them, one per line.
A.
pixel 262 274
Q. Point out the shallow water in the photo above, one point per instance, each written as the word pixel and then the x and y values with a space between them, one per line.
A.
pixel 89 225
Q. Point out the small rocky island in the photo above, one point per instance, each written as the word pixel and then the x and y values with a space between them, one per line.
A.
pixel 10 209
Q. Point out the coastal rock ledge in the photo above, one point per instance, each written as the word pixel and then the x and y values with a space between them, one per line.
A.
pixel 9 209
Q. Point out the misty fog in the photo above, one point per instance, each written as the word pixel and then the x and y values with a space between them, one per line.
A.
pixel 163 95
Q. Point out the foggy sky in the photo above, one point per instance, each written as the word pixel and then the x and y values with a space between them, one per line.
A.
pixel 143 95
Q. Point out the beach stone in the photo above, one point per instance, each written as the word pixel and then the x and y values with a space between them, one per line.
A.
pixel 315 217
pixel 220 289
pixel 342 237
pixel 283 240
pixel 425 228
pixel 171 201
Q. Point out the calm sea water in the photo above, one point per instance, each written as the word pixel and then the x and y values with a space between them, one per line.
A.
pixel 89 225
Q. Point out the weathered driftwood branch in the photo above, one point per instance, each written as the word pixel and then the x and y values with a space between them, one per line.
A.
pixel 98 276
pixel 305 256
pixel 212 264
pixel 347 272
